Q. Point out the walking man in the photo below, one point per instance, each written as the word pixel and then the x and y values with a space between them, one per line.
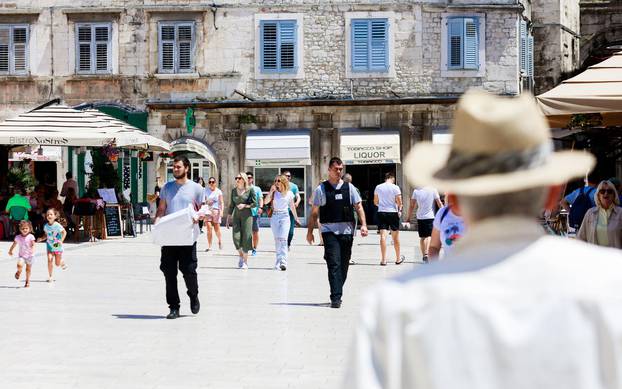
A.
pixel 175 196
pixel 424 200
pixel 388 199
pixel 292 220
pixel 509 299
pixel 69 183
pixel 335 201
pixel 256 212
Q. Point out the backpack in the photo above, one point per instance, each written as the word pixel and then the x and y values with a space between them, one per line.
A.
pixel 445 212
pixel 579 207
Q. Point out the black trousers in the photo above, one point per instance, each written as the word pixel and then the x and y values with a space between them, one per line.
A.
pixel 337 253
pixel 186 258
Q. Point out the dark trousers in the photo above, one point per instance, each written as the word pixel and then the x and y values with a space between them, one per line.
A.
pixel 186 258
pixel 292 223
pixel 337 253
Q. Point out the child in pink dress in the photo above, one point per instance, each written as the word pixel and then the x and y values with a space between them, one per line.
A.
pixel 25 241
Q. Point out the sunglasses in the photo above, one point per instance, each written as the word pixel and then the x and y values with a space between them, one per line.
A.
pixel 238 178
pixel 605 191
pixel 211 182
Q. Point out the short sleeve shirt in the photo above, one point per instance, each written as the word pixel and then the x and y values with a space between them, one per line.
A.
pixel 281 202
pixel 387 193
pixel 319 199
pixel 214 196
pixel 178 197
pixel 258 195
pixel 25 245
pixel 54 237
pixel 451 228
pixel 425 198
pixel 293 188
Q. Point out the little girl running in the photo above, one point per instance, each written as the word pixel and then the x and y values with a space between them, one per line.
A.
pixel 25 241
pixel 55 235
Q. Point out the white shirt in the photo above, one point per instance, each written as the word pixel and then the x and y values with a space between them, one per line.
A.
pixel 451 228
pixel 387 193
pixel 281 203
pixel 425 198
pixel 509 308
pixel 209 195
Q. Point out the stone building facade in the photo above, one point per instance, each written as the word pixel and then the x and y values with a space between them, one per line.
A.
pixel 215 67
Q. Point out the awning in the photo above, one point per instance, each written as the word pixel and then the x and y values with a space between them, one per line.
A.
pixel 368 148
pixel 59 125
pixel 278 148
pixel 597 90
pixel 186 144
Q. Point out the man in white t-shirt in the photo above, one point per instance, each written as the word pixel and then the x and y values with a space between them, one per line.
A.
pixel 424 199
pixel 388 199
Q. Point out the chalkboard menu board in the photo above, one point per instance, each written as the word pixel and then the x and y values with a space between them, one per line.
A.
pixel 113 220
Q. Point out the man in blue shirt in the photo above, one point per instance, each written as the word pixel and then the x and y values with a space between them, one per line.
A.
pixel 256 212
pixel 292 221
pixel 175 196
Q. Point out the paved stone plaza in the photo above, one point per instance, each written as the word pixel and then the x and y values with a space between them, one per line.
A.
pixel 102 325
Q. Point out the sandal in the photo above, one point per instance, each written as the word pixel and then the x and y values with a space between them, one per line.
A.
pixel 383 264
pixel 402 259
pixel 63 266
pixel 17 274
pixel 27 284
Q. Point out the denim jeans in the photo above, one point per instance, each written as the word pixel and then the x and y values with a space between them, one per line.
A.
pixel 292 224
pixel 337 253
pixel 280 228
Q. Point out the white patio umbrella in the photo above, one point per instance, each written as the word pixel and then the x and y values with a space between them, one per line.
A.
pixel 60 125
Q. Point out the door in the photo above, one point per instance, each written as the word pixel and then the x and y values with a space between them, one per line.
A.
pixel 365 178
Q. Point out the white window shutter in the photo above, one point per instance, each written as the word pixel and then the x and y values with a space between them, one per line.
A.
pixel 523 46
pixel 184 43
pixel 84 37
pixel 102 48
pixel 20 45
pixel 530 56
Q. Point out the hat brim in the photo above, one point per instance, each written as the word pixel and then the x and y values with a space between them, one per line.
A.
pixel 425 159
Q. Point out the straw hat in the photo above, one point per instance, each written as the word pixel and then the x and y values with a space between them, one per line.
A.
pixel 499 145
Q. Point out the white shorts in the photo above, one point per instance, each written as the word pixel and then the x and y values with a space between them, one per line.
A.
pixel 27 260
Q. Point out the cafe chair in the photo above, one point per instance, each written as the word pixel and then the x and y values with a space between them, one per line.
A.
pixel 142 215
pixel 84 211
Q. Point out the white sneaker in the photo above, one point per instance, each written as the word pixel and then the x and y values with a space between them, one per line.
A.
pixel 244 266
pixel 276 264
pixel 240 262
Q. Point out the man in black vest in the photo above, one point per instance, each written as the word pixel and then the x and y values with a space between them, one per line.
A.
pixel 335 202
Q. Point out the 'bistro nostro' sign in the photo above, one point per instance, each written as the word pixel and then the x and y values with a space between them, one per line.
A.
pixel 370 154
pixel 38 140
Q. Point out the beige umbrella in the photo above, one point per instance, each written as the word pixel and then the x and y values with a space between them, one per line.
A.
pixel 597 90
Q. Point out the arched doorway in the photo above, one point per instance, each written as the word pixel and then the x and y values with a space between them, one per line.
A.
pixel 201 155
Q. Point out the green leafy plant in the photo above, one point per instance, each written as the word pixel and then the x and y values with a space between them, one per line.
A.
pixel 20 176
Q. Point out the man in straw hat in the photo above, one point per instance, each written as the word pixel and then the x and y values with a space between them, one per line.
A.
pixel 509 307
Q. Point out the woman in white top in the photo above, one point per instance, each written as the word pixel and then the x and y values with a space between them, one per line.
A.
pixel 212 198
pixel 282 201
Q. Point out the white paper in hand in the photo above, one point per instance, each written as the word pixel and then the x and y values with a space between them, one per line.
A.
pixel 176 229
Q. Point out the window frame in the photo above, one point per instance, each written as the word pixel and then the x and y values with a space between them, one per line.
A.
pixel 11 50
pixel 93 48
pixel 176 56
pixel 279 69
pixel 449 71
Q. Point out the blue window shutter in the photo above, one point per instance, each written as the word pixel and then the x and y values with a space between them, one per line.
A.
pixel 471 43
pixel 523 46
pixel 167 48
pixel 455 36
pixel 529 61
pixel 287 45
pixel 360 45
pixel 379 50
pixel 269 46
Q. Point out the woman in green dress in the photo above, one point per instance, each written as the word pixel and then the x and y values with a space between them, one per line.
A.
pixel 239 215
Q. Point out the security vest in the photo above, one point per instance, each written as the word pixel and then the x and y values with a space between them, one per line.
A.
pixel 338 207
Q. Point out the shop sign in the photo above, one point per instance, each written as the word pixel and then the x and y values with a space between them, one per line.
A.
pixel 277 162
pixel 370 154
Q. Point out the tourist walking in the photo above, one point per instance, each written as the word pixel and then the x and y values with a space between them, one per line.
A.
pixel 25 242
pixel 602 224
pixel 292 222
pixel 255 211
pixel 239 215
pixel 424 200
pixel 447 228
pixel 334 202
pixel 509 299
pixel 175 196
pixel 213 200
pixel 579 201
pixel 388 199
pixel 54 237
pixel 282 200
